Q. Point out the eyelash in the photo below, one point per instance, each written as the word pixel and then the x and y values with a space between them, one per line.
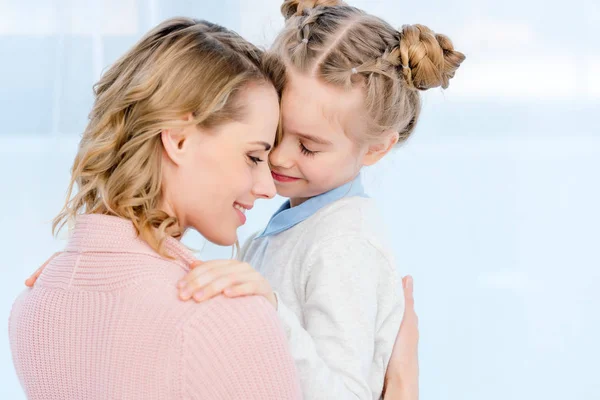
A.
pixel 306 151
pixel 255 160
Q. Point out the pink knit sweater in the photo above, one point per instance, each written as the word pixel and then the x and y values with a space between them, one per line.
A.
pixel 104 322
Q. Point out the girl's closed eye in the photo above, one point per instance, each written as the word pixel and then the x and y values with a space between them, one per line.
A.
pixel 306 151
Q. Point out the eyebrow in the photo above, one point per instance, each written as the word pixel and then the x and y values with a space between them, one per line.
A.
pixel 267 145
pixel 313 138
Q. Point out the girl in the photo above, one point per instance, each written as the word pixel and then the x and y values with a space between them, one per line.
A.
pixel 352 94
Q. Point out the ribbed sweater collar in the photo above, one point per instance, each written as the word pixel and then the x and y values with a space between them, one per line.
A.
pixel 108 234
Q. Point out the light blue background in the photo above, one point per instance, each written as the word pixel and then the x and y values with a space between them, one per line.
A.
pixel 493 205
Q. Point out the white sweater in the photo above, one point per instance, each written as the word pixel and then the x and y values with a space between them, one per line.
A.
pixel 339 297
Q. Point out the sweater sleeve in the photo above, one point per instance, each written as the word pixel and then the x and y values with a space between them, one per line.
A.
pixel 236 349
pixel 333 348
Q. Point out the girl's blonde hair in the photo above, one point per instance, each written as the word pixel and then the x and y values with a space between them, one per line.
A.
pixel 181 67
pixel 345 46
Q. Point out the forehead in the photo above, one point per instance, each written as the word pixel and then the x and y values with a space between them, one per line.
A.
pixel 312 106
pixel 261 109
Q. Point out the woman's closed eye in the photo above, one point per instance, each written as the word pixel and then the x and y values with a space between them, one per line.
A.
pixel 255 160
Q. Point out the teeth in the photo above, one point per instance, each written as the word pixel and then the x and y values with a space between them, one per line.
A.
pixel 242 209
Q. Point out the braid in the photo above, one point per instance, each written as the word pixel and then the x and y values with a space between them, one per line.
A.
pixel 295 8
pixel 346 47
pixel 430 57
pixel 303 50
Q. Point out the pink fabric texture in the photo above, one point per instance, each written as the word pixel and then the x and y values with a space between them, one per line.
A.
pixel 104 321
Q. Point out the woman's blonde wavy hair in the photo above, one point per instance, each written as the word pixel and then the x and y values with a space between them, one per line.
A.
pixel 345 46
pixel 181 67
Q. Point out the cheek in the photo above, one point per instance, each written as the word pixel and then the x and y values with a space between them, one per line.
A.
pixel 333 168
pixel 235 178
pixel 202 188
pixel 213 172
pixel 319 170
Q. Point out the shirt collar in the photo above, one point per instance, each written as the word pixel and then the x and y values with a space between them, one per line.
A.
pixel 287 216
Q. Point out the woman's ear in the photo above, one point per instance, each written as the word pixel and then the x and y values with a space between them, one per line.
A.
pixel 174 141
pixel 377 150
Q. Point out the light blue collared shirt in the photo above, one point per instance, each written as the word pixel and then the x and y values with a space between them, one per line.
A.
pixel 287 216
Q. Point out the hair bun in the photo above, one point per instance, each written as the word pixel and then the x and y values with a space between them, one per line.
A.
pixel 428 59
pixel 291 8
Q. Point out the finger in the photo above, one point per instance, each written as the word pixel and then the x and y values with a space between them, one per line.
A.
pixel 407 283
pixel 31 280
pixel 231 273
pixel 197 282
pixel 410 320
pixel 211 264
pixel 244 289
pixel 205 277
pixel 219 285
pixel 202 269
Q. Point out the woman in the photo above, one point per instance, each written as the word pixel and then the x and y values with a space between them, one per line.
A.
pixel 177 138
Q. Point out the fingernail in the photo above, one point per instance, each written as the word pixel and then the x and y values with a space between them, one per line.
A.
pixel 198 295
pixel 184 294
pixel 180 284
pixel 409 282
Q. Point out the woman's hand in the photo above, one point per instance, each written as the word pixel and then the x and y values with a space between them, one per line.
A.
pixel 402 375
pixel 230 277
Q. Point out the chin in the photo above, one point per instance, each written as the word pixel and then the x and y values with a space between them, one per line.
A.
pixel 225 241
pixel 224 237
pixel 284 191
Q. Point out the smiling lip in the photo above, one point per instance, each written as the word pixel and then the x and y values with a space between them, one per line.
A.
pixel 283 178
pixel 241 216
pixel 240 213
pixel 246 206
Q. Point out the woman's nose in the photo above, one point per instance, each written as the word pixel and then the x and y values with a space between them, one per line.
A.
pixel 264 187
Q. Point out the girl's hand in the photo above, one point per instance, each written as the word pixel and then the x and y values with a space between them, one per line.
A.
pixel 31 280
pixel 402 375
pixel 230 277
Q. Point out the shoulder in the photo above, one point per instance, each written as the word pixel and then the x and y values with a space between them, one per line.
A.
pixel 351 225
pixel 236 341
pixel 350 216
pixel 345 250
pixel 244 321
